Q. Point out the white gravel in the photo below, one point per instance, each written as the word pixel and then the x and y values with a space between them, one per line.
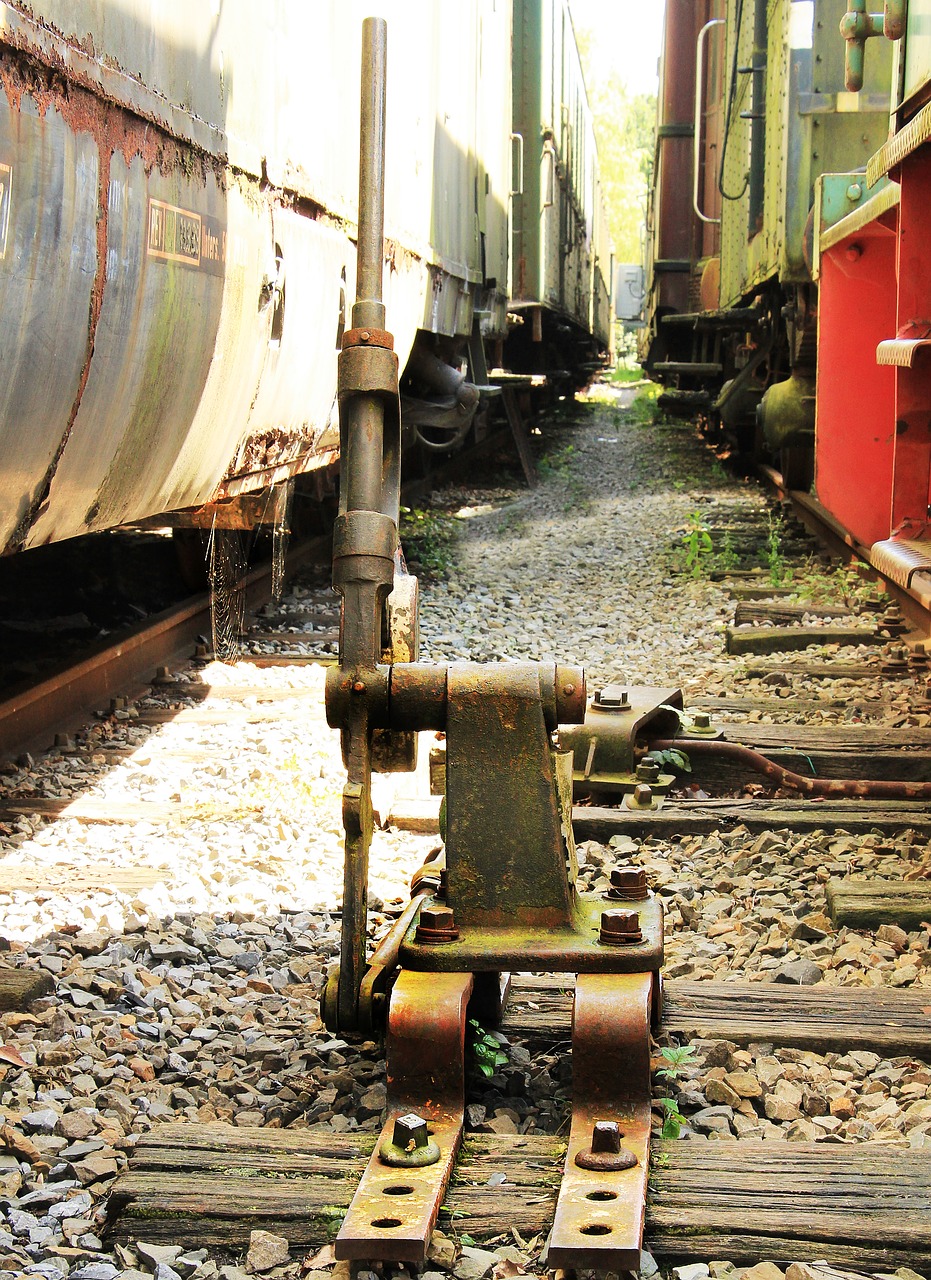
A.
pixel 188 948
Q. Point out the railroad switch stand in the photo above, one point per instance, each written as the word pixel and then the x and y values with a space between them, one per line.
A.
pixel 505 897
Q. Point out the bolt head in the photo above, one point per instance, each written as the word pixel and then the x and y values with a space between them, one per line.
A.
pixel 702 720
pixel 854 191
pixel 629 881
pixel 606 1136
pixel 410 1129
pixel 643 794
pixel 437 918
pixel 620 926
pixel 612 697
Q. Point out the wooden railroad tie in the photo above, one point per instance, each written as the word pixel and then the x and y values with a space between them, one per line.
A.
pixel 211 1184
pixel 782 639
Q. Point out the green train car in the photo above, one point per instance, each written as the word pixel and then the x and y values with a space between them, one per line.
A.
pixel 758 108
pixel 561 263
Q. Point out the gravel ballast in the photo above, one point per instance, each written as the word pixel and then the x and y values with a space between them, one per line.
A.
pixel 191 993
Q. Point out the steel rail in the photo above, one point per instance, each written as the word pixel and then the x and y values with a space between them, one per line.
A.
pixel 65 698
pixel 915 603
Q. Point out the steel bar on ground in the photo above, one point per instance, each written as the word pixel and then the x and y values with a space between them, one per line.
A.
pixel 395 1206
pixel 602 1199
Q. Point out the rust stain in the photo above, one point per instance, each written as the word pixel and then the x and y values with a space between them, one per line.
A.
pixel 115 131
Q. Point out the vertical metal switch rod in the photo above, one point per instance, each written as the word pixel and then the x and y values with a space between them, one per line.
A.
pixel 365 536
pixel 368 308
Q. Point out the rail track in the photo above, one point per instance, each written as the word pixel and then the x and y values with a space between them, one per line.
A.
pixel 840 884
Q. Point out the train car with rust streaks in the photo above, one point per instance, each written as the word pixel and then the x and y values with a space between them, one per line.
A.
pixel 178 190
pixel 178 200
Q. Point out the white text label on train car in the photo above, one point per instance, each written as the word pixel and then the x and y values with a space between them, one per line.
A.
pixel 174 234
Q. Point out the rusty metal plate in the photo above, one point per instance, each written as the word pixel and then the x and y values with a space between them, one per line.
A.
pixel 575 948
pixel 393 1212
pixel 599 1213
pixel 603 747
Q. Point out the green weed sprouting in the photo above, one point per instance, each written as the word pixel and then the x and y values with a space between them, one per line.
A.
pixel 698 544
pixel 486 1049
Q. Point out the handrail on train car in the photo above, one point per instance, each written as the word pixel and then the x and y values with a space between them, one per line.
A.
pixel 696 132
pixel 518 189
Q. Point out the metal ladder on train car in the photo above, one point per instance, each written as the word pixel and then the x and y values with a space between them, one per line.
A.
pixel 505 896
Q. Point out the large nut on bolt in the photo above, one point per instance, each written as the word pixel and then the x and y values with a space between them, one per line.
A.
pixel 437 924
pixel 641 797
pixel 648 770
pixel 410 1145
pixel 628 884
pixel 606 1155
pixel 620 928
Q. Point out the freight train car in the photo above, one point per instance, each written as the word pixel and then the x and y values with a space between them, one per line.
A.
pixel 561 269
pixel 872 258
pixel 178 188
pixel 752 109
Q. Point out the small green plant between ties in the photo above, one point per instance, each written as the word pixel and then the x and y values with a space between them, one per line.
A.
pixel 676 1057
pixel 697 543
pixel 486 1048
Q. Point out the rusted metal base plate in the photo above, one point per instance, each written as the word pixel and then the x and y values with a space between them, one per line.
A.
pixel 393 1212
pixel 394 1209
pixel 599 1214
pixel 557 950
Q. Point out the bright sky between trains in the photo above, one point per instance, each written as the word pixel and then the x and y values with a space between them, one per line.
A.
pixel 629 37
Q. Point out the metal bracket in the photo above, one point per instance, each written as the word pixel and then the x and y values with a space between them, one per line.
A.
pixel 600 1209
pixel 394 1209
pixel 603 756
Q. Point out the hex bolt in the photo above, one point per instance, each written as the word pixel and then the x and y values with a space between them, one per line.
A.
pixel 648 770
pixel 620 927
pixel 702 719
pixel 436 924
pixel 606 1136
pixel 643 795
pixel 410 1131
pixel 629 883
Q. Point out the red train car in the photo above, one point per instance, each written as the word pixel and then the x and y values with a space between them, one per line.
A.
pixel 873 263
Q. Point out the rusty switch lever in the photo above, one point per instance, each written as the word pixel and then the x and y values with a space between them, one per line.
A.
pixel 365 536
pixel 509 897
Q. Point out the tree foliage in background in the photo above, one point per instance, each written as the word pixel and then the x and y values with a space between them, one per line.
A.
pixel 624 130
